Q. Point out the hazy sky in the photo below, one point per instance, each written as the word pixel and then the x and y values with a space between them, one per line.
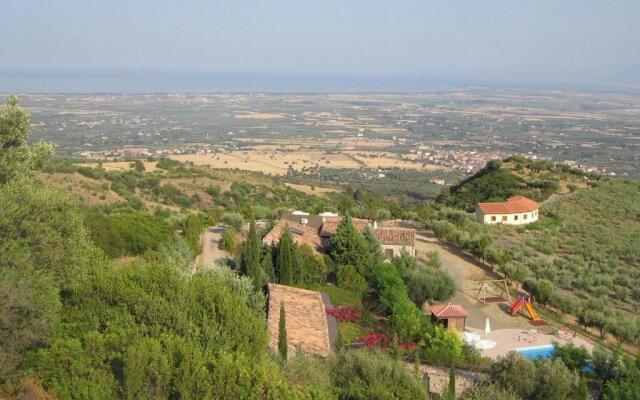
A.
pixel 476 39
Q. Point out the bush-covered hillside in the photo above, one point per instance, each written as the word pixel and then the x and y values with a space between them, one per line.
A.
pixel 499 180
pixel 173 185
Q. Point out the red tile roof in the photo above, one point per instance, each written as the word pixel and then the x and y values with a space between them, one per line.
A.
pixel 448 311
pixel 515 204
pixel 301 234
pixel 330 225
pixel 306 317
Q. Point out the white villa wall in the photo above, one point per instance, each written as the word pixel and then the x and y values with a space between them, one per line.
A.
pixel 507 219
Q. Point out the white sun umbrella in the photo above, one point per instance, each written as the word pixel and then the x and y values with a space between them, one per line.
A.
pixel 487 328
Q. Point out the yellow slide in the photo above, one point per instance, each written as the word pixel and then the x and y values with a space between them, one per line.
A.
pixel 532 312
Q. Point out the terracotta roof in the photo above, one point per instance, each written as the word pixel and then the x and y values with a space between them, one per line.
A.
pixel 389 236
pixel 304 234
pixel 307 327
pixel 330 225
pixel 448 311
pixel 515 204
pixel 397 236
pixel 301 234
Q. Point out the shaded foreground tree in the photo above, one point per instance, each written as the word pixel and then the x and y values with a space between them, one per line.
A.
pixel 17 158
pixel 543 380
pixel 489 392
pixel 364 374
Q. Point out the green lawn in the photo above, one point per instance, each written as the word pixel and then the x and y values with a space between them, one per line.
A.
pixel 338 296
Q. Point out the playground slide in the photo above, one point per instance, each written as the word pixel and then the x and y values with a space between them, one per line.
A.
pixel 532 312
pixel 515 307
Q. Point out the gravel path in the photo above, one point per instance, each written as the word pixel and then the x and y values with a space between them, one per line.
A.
pixel 211 251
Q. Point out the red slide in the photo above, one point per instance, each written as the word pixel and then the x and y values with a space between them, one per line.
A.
pixel 516 306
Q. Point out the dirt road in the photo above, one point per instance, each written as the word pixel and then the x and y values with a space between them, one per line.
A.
pixel 211 251
pixel 466 274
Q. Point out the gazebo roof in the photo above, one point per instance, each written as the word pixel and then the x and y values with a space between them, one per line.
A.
pixel 448 311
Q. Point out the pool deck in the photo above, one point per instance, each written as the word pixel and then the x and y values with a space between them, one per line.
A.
pixel 512 339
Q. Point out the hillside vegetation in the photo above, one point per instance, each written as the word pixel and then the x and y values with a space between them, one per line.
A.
pixel 134 211
pixel 588 245
pixel 499 180
pixel 76 324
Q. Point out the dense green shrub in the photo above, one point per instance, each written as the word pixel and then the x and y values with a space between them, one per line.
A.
pixel 368 374
pixel 128 233
pixel 428 282
pixel 350 279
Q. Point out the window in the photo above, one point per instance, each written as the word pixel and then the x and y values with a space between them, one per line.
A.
pixel 515 217
pixel 388 253
pixel 504 218
pixel 525 216
pixel 493 218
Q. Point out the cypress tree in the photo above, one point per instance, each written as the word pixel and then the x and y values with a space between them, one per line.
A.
pixel 267 264
pixel 250 260
pixel 284 262
pixel 282 334
pixel 451 390
pixel 297 265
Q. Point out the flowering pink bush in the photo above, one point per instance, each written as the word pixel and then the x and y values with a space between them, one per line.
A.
pixel 344 314
pixel 373 340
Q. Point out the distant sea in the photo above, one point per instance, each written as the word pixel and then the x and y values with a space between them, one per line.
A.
pixel 12 81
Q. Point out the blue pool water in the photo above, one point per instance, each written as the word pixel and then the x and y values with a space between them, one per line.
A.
pixel 538 352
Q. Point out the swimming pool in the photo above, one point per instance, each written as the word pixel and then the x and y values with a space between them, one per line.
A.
pixel 537 352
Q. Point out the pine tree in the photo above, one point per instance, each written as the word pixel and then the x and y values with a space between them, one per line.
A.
pixel 348 247
pixel 373 244
pixel 282 334
pixel 284 265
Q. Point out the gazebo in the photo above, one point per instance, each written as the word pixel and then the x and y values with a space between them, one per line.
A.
pixel 451 316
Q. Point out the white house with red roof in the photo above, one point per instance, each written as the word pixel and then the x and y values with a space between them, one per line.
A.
pixel 517 210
